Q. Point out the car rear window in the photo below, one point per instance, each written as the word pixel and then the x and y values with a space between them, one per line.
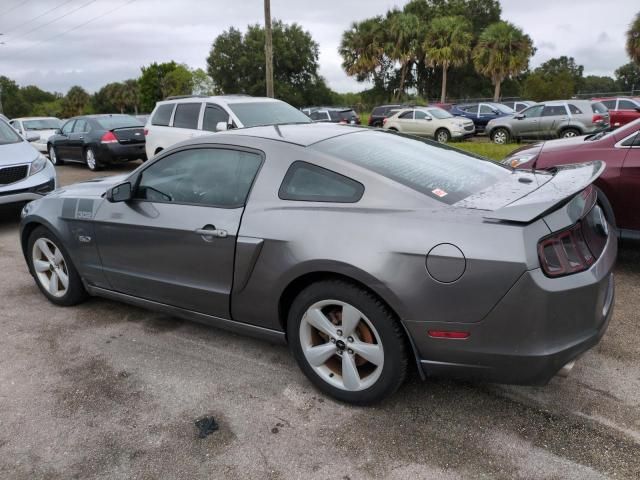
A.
pixel 163 115
pixel 378 111
pixel 253 114
pixel 42 124
pixel 311 183
pixel 346 114
pixel 186 115
pixel 598 107
pixel 573 109
pixel 440 172
pixel 118 121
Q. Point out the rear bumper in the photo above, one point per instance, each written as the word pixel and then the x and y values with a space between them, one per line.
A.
pixel 116 152
pixel 538 327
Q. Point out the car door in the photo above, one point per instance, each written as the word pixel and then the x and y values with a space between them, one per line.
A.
pixel 627 111
pixel 552 120
pixel 525 124
pixel 157 246
pixel 76 139
pixel 213 114
pixel 628 212
pixel 486 113
pixel 423 123
pixel 406 123
pixel 62 140
pixel 186 119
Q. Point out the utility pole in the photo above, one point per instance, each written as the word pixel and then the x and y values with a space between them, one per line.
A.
pixel 268 48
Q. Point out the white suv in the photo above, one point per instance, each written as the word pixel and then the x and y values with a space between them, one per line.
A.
pixel 180 118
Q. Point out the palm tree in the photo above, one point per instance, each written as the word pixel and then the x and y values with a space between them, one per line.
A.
pixel 633 39
pixel 362 48
pixel 403 31
pixel 503 50
pixel 448 43
pixel 131 94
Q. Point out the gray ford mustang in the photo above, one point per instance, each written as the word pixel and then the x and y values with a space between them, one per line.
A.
pixel 366 251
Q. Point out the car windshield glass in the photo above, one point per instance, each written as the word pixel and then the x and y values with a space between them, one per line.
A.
pixel 439 113
pixel 8 134
pixel 503 108
pixel 42 124
pixel 252 114
pixel 440 172
pixel 118 121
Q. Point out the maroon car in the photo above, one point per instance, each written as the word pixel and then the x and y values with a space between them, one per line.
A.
pixel 619 185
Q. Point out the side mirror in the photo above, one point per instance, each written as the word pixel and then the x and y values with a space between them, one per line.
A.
pixel 221 126
pixel 120 193
pixel 58 131
pixel 31 136
pixel 428 118
pixel 519 116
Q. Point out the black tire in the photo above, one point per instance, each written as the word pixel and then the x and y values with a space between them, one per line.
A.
pixel 94 165
pixel 53 156
pixel 389 330
pixel 442 135
pixel 393 129
pixel 500 136
pixel 75 291
pixel 570 133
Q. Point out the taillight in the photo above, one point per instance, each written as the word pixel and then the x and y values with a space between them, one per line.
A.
pixel 597 118
pixel 108 137
pixel 384 120
pixel 565 252
pixel 146 132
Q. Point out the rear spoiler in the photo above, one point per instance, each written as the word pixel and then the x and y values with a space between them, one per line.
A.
pixel 567 181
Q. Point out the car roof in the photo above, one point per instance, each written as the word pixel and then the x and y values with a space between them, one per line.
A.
pixel 298 134
pixel 237 98
pixel 35 118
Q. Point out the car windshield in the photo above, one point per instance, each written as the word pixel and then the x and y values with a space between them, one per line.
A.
pixel 8 134
pixel 439 113
pixel 440 172
pixel 503 108
pixel 42 124
pixel 118 121
pixel 253 114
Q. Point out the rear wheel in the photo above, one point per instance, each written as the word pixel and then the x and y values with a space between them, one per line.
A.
pixel 347 342
pixel 90 160
pixel 442 135
pixel 570 133
pixel 52 269
pixel 500 136
pixel 53 156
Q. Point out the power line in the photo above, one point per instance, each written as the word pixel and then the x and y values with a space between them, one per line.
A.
pixel 86 4
pixel 76 27
pixel 38 16
pixel 17 5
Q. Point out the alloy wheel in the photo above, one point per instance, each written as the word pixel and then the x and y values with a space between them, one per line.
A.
pixel 90 157
pixel 52 155
pixel 341 345
pixel 569 134
pixel 50 267
pixel 443 137
pixel 500 137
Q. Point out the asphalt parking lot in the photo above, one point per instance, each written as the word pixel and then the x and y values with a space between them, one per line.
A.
pixel 105 390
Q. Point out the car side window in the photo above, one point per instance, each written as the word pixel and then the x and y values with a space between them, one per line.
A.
pixel 610 104
pixel 486 110
pixel 68 127
pixel 212 116
pixel 533 112
pixel 163 115
pixel 81 126
pixel 626 105
pixel 377 111
pixel 212 177
pixel 632 141
pixel 186 115
pixel 406 115
pixel 420 115
pixel 573 109
pixel 310 183
pixel 554 110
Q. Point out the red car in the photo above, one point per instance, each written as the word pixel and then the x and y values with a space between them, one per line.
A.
pixel 622 110
pixel 619 185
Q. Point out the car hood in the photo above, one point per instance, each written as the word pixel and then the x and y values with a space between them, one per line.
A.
pixel 525 196
pixel 91 188
pixel 16 153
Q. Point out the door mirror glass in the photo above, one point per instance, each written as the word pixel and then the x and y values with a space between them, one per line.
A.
pixel 119 193
pixel 428 118
pixel 221 126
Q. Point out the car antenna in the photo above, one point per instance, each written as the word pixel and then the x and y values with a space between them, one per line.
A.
pixel 535 161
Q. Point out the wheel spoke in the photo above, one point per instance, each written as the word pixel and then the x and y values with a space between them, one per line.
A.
pixel 350 318
pixel 64 280
pixel 319 354
pixel 370 352
pixel 44 248
pixel 53 283
pixel 317 319
pixel 41 265
pixel 57 257
pixel 350 375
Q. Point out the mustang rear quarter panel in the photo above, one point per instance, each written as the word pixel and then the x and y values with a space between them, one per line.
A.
pixel 381 241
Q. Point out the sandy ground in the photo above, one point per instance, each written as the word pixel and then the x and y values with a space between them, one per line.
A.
pixel 105 390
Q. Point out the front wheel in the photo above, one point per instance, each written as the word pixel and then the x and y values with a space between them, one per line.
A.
pixel 53 156
pixel 443 135
pixel 90 160
pixel 500 136
pixel 570 133
pixel 347 342
pixel 52 269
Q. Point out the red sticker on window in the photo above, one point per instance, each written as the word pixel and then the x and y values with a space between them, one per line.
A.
pixel 439 192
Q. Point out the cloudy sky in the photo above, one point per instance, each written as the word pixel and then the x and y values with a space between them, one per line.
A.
pixel 59 43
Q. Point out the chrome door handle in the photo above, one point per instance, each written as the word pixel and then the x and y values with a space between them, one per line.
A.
pixel 216 232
